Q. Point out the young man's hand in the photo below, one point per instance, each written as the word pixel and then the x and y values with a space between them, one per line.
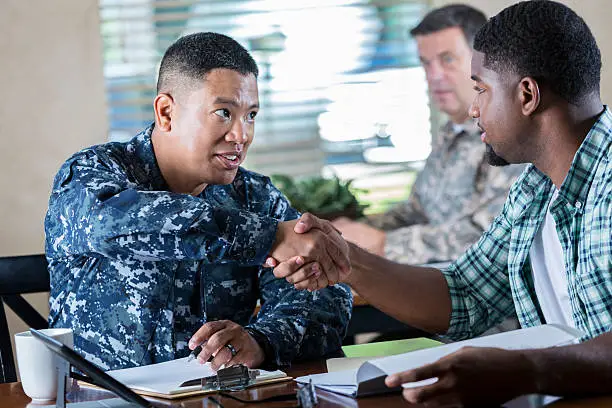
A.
pixel 472 376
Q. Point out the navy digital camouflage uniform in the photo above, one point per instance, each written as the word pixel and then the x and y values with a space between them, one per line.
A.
pixel 454 199
pixel 136 269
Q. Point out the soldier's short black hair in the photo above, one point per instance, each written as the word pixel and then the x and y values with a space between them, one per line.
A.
pixel 467 18
pixel 193 56
pixel 544 40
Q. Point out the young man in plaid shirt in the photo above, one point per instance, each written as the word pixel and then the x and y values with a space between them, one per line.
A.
pixel 548 255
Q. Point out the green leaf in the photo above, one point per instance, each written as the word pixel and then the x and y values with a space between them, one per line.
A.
pixel 320 195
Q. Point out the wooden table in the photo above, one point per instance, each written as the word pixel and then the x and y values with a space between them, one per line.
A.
pixel 11 395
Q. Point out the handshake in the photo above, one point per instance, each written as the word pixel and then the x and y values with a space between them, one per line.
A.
pixel 309 253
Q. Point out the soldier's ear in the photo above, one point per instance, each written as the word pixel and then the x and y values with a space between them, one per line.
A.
pixel 163 105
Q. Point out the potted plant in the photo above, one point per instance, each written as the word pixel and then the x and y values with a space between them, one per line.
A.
pixel 327 198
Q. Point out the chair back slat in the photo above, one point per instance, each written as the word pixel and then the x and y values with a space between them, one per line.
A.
pixel 19 275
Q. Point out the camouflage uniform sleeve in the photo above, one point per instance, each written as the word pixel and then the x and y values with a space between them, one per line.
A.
pixel 300 325
pixel 97 210
pixel 404 214
pixel 430 243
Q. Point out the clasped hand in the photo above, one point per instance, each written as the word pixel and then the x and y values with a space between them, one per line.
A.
pixel 309 253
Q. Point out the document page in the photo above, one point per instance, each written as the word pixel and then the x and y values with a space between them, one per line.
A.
pixel 166 377
pixel 367 379
pixel 549 335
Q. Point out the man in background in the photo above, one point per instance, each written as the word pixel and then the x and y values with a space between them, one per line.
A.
pixel 457 194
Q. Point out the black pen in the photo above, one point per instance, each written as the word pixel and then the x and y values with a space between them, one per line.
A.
pixel 198 350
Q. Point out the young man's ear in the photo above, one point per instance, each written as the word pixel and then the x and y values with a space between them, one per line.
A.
pixel 163 105
pixel 529 95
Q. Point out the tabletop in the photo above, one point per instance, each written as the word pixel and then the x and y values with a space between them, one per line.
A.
pixel 11 395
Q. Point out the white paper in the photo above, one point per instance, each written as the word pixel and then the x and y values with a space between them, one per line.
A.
pixel 347 381
pixel 166 377
pixel 549 335
pixel 345 363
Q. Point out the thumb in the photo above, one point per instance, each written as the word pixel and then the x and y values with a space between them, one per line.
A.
pixel 306 222
pixel 270 262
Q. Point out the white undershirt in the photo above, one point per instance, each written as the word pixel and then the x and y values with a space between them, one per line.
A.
pixel 549 275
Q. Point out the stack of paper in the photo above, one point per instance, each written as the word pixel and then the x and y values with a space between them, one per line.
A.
pixel 369 377
pixel 164 379
pixel 358 354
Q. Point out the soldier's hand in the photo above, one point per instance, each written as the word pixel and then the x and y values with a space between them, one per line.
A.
pixel 314 272
pixel 228 343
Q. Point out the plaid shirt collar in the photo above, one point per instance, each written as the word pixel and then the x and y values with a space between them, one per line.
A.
pixel 577 183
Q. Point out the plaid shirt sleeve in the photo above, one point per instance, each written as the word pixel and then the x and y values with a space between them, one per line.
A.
pixel 478 281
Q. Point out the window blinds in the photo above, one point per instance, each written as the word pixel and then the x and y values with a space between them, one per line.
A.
pixel 307 51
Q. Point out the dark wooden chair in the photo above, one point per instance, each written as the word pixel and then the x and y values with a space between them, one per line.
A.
pixel 19 275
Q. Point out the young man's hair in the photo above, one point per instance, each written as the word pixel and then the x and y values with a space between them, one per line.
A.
pixel 467 18
pixel 547 41
pixel 193 56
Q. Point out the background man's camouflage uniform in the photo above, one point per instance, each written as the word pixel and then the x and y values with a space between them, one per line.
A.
pixel 454 199
pixel 136 269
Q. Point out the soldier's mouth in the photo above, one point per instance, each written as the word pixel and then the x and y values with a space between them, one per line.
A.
pixel 230 161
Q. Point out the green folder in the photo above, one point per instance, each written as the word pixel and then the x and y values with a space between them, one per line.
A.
pixel 389 348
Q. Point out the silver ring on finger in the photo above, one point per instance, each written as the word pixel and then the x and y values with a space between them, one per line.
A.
pixel 231 349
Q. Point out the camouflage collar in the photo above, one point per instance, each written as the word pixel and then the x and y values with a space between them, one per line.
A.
pixel 469 127
pixel 147 171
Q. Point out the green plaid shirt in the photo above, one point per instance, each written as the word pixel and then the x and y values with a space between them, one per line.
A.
pixel 494 280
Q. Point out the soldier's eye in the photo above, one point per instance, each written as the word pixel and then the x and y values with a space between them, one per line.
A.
pixel 224 113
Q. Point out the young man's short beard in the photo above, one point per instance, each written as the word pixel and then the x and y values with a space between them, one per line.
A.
pixel 493 159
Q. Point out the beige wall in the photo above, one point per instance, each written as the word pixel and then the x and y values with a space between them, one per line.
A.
pixel 592 11
pixel 52 88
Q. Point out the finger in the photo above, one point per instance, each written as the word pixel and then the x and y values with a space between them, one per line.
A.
pixel 222 359
pixel 310 282
pixel 204 332
pixel 427 394
pixel 270 262
pixel 330 271
pixel 418 374
pixel 307 222
pixel 289 267
pixel 216 342
pixel 305 273
pixel 320 282
pixel 314 284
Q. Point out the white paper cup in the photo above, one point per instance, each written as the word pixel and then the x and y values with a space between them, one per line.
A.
pixel 38 365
